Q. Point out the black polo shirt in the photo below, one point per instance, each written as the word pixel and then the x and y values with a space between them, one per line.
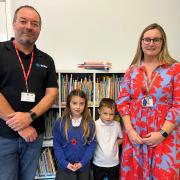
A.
pixel 12 82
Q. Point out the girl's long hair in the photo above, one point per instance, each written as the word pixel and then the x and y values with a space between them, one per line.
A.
pixel 163 57
pixel 86 117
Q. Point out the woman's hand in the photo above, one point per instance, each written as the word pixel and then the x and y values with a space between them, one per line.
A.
pixel 134 137
pixel 152 139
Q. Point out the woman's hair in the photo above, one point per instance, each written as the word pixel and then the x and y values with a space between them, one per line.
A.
pixel 163 57
pixel 107 102
pixel 86 117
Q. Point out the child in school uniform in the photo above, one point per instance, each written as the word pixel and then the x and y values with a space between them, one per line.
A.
pixel 109 137
pixel 74 139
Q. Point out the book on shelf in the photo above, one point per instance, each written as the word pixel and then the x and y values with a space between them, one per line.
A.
pixel 51 117
pixel 107 86
pixel 70 82
pixel 46 166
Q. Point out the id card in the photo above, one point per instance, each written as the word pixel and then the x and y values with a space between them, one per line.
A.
pixel 147 101
pixel 27 97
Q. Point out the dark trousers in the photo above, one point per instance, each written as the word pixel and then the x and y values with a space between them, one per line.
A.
pixel 70 175
pixel 111 172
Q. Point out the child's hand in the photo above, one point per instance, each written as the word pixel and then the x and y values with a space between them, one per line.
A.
pixel 78 165
pixel 71 167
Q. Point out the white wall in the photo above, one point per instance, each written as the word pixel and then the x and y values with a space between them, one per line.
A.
pixel 3 24
pixel 74 31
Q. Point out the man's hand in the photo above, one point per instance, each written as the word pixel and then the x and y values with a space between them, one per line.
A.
pixel 29 134
pixel 19 120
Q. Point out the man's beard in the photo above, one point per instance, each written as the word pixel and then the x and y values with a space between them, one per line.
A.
pixel 27 42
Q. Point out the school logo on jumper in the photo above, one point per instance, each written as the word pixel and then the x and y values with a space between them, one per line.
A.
pixel 41 65
pixel 73 141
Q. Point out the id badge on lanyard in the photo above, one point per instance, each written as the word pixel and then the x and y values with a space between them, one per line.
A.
pixel 147 100
pixel 26 96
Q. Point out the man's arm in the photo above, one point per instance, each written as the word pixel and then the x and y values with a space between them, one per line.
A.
pixel 5 108
pixel 46 102
pixel 20 120
pixel 29 133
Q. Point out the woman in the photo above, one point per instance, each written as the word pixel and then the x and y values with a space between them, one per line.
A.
pixel 149 104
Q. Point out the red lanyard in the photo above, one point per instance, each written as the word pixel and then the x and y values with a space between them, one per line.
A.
pixel 148 84
pixel 26 76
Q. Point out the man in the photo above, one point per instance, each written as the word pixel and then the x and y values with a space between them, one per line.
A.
pixel 28 88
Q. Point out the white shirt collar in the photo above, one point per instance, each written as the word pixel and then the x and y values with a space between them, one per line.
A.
pixel 106 123
pixel 76 123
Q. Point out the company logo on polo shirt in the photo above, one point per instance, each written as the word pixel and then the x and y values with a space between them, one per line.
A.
pixel 41 65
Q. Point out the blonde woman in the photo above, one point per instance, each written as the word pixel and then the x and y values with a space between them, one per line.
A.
pixel 149 103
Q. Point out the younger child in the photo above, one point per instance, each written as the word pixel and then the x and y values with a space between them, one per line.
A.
pixel 109 137
pixel 74 139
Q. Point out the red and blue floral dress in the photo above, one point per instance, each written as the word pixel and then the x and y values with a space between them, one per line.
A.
pixel 140 162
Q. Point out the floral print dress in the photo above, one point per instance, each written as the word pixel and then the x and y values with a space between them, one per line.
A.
pixel 140 162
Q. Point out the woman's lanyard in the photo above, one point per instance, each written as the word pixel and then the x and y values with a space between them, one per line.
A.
pixel 26 76
pixel 147 101
pixel 148 84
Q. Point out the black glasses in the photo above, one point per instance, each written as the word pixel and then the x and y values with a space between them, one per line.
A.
pixel 156 41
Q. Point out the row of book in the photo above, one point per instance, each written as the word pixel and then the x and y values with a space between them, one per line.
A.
pixel 50 118
pixel 56 103
pixel 46 166
pixel 68 83
pixel 106 86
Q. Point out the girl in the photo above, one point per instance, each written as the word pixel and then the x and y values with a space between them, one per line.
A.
pixel 74 139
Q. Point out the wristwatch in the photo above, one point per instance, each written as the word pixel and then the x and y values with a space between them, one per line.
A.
pixel 33 115
pixel 164 133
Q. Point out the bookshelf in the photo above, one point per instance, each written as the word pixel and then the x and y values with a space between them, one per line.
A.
pixel 96 84
pixel 46 169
